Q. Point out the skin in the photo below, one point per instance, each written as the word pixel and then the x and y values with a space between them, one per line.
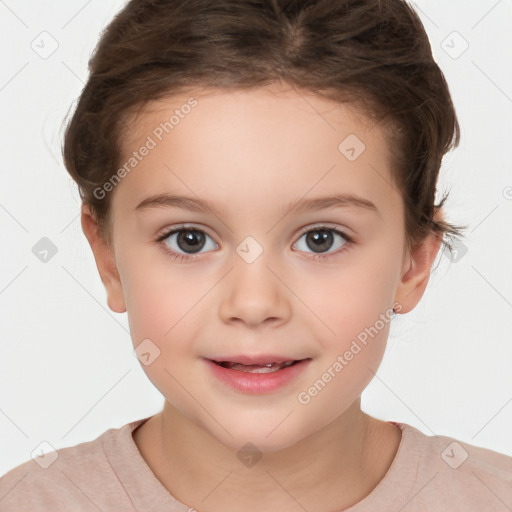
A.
pixel 252 153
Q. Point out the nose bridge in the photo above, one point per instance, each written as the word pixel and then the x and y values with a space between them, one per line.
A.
pixel 254 294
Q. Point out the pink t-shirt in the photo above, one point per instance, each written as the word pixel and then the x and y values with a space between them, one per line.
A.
pixel 428 473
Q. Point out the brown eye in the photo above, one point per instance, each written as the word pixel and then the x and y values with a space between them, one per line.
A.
pixel 185 241
pixel 190 241
pixel 319 240
pixel 322 240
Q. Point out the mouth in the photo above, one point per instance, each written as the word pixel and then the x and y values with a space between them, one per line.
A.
pixel 257 374
pixel 256 368
pixel 264 364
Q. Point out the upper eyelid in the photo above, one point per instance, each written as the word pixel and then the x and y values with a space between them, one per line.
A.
pixel 169 231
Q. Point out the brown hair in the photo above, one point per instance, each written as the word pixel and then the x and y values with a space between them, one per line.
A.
pixel 374 54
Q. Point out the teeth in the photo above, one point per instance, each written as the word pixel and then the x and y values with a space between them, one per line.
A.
pixel 254 368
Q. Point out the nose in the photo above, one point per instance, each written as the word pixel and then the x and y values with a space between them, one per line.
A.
pixel 254 295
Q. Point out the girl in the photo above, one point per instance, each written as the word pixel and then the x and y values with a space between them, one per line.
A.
pixel 258 183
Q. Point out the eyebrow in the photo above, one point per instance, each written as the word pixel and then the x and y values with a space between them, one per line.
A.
pixel 303 205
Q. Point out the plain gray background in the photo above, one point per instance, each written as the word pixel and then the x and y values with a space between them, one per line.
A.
pixel 67 370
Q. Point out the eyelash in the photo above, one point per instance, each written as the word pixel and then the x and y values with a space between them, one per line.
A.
pixel 316 257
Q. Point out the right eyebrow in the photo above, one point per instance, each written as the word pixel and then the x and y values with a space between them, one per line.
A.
pixel 173 201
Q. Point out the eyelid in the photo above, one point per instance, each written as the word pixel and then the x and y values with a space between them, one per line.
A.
pixel 328 225
pixel 166 232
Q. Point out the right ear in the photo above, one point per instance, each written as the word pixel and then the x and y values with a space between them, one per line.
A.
pixel 105 261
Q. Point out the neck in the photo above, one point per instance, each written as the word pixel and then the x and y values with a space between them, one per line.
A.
pixel 332 469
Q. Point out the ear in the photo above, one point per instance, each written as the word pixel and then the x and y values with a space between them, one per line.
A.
pixel 105 261
pixel 416 270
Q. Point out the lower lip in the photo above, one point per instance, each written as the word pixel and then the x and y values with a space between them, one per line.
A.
pixel 257 382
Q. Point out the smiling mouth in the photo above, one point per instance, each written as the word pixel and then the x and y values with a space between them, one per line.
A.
pixel 255 368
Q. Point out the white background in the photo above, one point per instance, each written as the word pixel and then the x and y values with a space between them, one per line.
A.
pixel 67 371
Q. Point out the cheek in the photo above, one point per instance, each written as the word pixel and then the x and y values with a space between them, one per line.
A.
pixel 164 309
pixel 160 294
pixel 352 316
pixel 342 303
pixel 352 350
pixel 167 304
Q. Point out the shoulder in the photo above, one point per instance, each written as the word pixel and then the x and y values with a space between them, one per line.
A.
pixel 75 477
pixel 457 474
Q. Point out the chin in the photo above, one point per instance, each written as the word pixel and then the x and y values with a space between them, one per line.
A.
pixel 267 436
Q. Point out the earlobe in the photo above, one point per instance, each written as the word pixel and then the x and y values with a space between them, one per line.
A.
pixel 105 261
pixel 416 274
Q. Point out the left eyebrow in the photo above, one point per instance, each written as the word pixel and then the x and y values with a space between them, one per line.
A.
pixel 303 205
pixel 337 201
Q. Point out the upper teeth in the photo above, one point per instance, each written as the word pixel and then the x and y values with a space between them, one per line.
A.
pixel 254 368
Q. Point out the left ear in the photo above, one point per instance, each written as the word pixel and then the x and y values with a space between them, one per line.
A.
pixel 416 270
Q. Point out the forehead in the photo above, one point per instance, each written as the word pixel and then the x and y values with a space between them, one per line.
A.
pixel 256 105
pixel 269 142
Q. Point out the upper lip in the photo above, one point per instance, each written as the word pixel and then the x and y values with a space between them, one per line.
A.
pixel 260 359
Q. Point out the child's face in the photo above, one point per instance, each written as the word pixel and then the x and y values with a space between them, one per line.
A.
pixel 252 156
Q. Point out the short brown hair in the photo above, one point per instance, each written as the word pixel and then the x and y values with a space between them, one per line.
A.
pixel 374 54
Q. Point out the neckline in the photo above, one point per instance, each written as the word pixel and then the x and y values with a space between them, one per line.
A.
pixel 142 485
